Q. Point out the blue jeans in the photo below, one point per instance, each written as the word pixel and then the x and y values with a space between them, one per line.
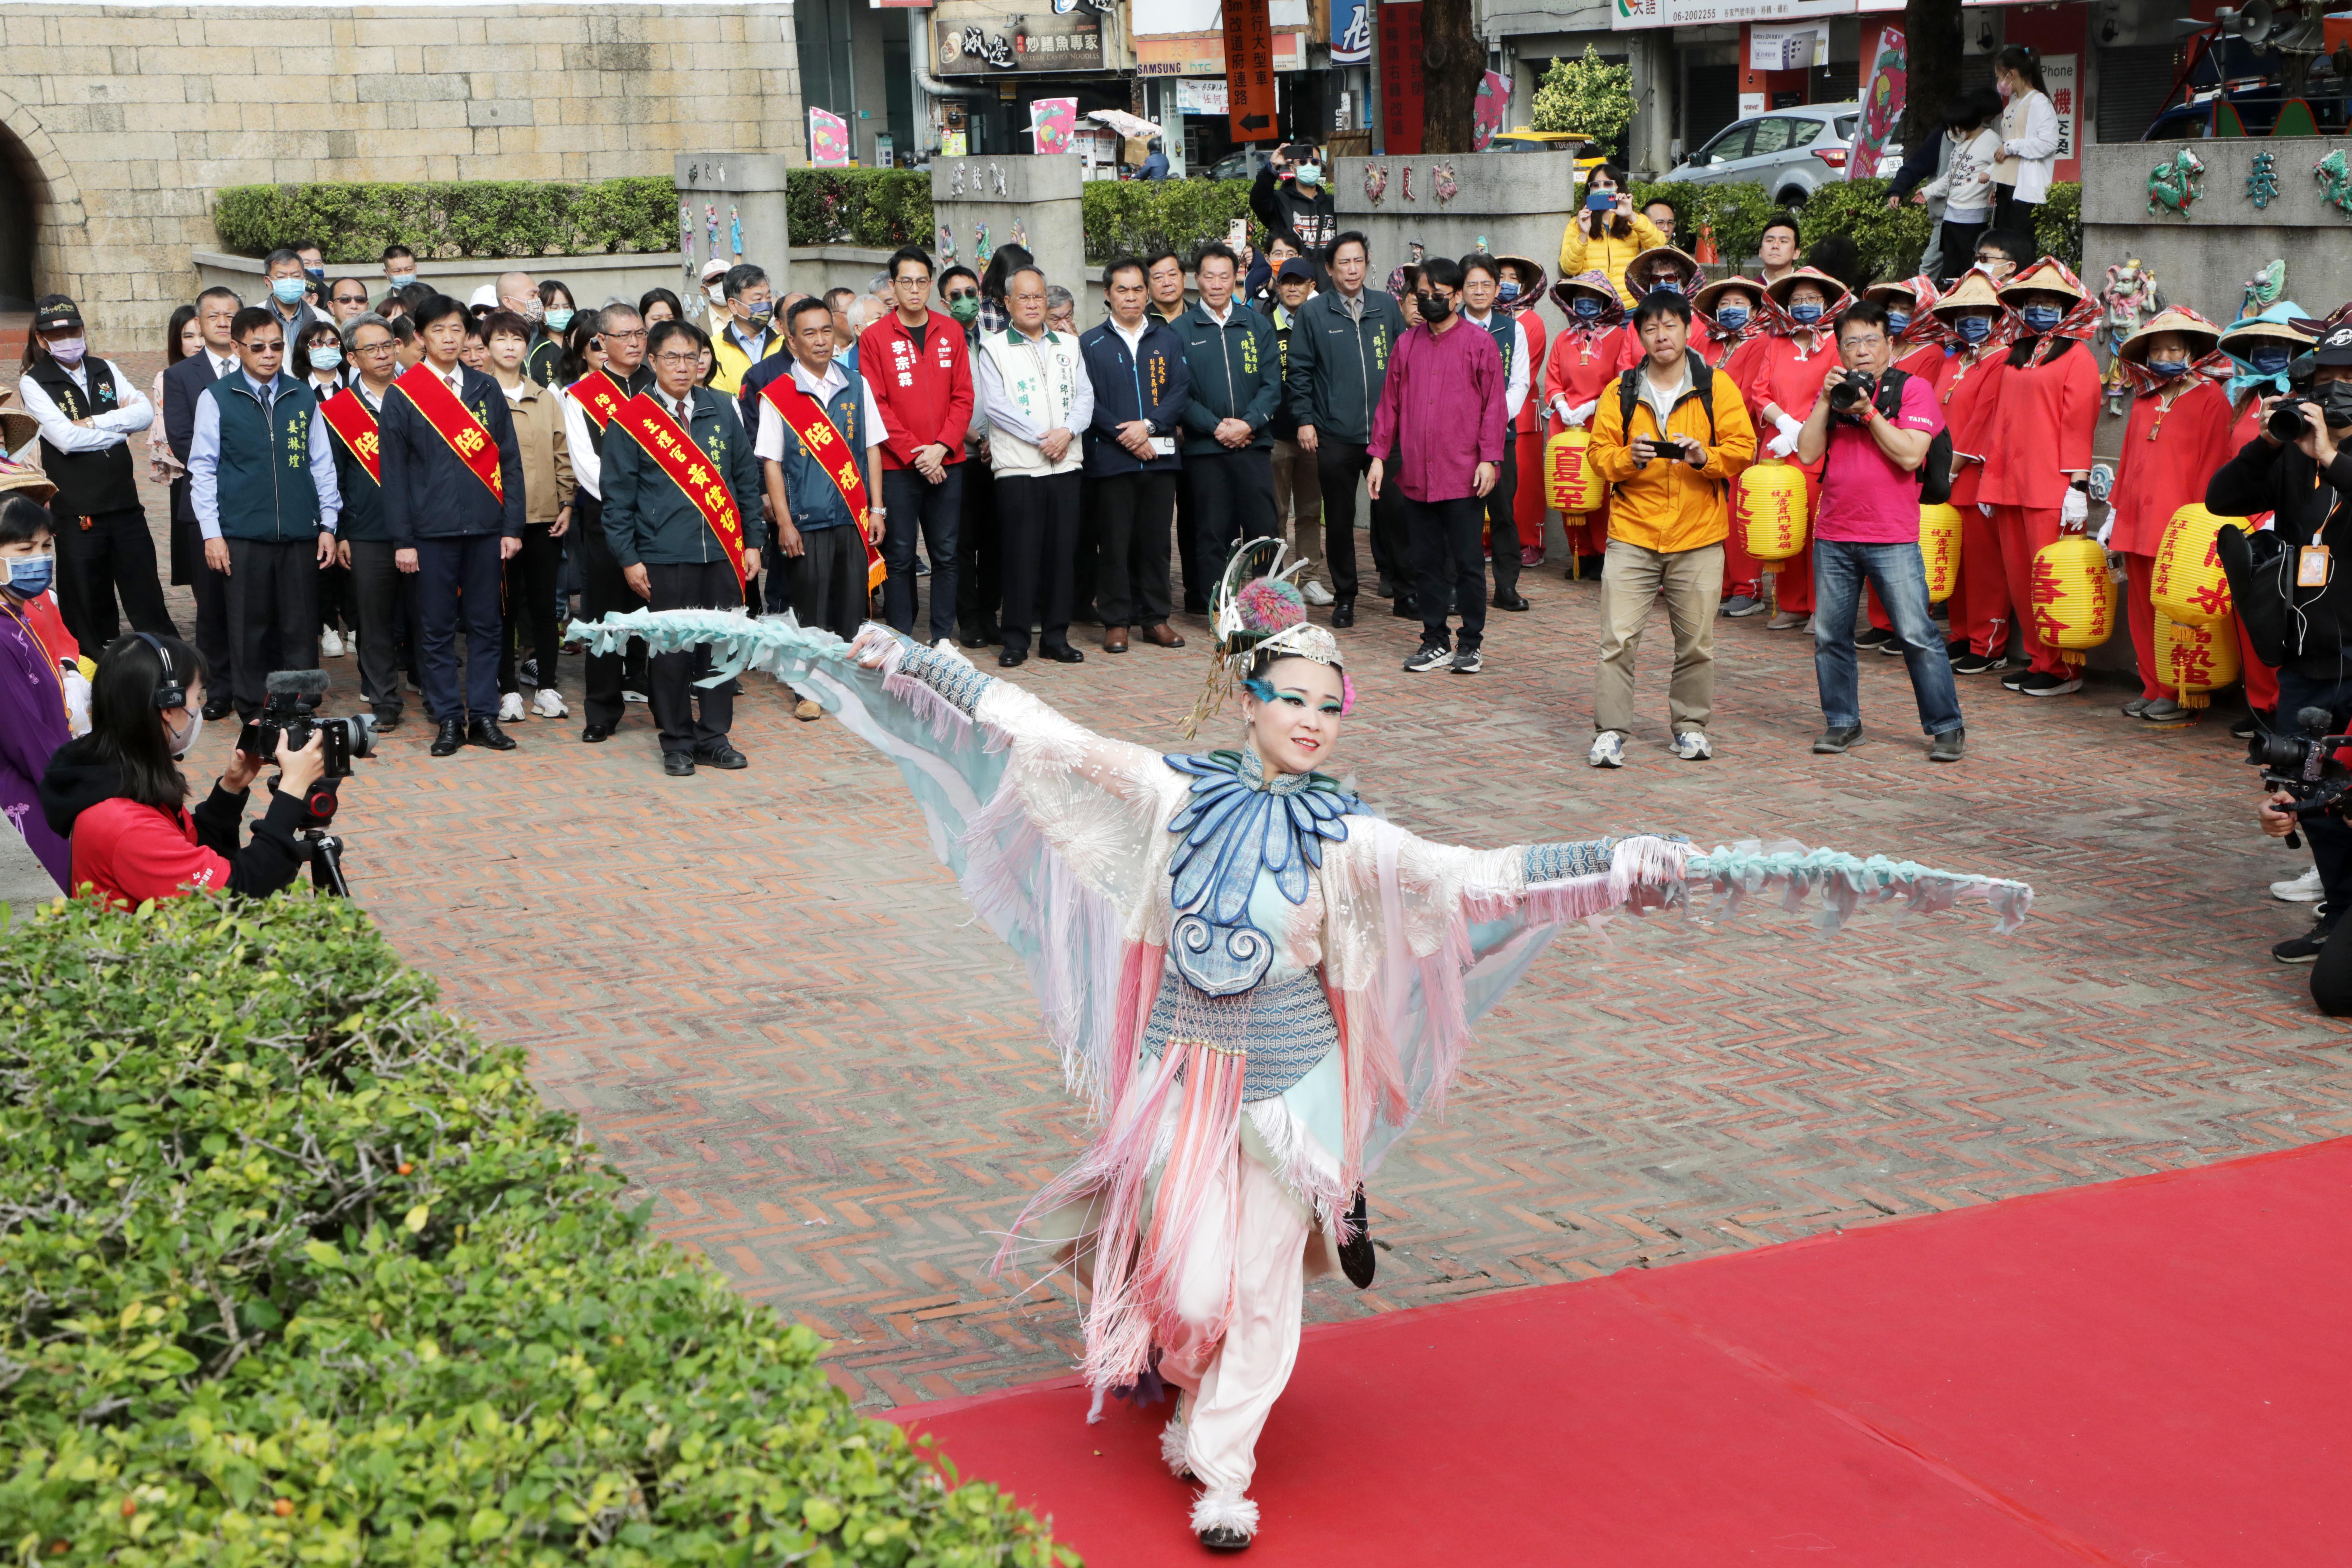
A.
pixel 1901 579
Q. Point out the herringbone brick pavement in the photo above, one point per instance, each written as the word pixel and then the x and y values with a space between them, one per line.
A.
pixel 772 1010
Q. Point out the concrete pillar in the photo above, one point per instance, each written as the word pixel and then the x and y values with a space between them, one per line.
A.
pixel 1024 199
pixel 1656 111
pixel 741 191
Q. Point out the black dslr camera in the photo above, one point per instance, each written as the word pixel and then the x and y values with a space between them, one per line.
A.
pixel 1858 387
pixel 2286 423
pixel 291 699
pixel 2302 764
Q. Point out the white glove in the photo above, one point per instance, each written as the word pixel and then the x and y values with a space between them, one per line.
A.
pixel 1560 409
pixel 77 687
pixel 1783 444
pixel 1985 507
pixel 1792 428
pixel 2074 512
pixel 2106 527
pixel 1581 415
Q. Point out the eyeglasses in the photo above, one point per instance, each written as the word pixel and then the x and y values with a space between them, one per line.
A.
pixel 382 348
pixel 350 298
pixel 266 348
pixel 626 337
pixel 693 358
pixel 959 293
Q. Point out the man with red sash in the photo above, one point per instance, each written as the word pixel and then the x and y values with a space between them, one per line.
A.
pixel 682 515
pixel 590 406
pixel 452 487
pixel 384 606
pixel 820 449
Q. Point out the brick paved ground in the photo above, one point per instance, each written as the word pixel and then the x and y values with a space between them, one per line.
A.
pixel 769 1005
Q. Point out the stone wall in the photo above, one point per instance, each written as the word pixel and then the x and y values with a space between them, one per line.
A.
pixel 2203 257
pixel 1518 204
pixel 123 122
pixel 1040 196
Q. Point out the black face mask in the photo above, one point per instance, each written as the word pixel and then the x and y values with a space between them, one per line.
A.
pixel 2334 400
pixel 1434 307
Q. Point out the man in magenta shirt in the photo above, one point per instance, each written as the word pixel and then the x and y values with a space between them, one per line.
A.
pixel 1441 416
pixel 1866 526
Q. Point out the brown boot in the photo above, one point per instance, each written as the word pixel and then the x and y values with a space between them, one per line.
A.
pixel 1162 636
pixel 1115 639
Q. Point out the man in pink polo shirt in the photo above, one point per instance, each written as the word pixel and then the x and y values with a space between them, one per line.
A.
pixel 1876 425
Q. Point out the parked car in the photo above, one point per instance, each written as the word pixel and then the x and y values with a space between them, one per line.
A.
pixel 1791 153
pixel 1242 164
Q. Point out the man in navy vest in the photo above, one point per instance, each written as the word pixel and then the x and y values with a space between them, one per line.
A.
pixel 261 473
pixel 1482 277
pixel 449 527
pixel 670 552
pixel 184 384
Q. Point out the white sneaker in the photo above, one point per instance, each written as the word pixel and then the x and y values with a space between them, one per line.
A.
pixel 510 708
pixel 2303 889
pixel 549 704
pixel 331 643
pixel 1608 751
pixel 1315 593
pixel 628 696
pixel 1692 746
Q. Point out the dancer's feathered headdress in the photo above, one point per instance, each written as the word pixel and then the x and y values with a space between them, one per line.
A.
pixel 1261 617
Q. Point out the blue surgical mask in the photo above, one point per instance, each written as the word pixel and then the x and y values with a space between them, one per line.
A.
pixel 1897 323
pixel 1310 175
pixel 326 356
pixel 558 318
pixel 1974 329
pixel 1587 306
pixel 2167 368
pixel 2041 318
pixel 30 576
pixel 1731 318
pixel 2271 360
pixel 1506 292
pixel 1670 285
pixel 1806 314
pixel 288 290
pixel 401 279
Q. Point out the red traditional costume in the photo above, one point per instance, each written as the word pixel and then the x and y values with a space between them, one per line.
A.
pixel 1529 505
pixel 1784 367
pixel 1589 352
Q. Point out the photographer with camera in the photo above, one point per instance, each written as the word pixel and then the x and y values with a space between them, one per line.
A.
pixel 1872 429
pixel 118 798
pixel 2296 469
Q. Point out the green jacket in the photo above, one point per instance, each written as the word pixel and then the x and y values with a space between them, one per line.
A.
pixel 647 518
pixel 1337 364
pixel 1237 373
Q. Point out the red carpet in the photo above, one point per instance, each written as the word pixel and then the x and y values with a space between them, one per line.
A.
pixel 2151 1374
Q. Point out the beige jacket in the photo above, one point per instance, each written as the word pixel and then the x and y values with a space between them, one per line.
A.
pixel 547 485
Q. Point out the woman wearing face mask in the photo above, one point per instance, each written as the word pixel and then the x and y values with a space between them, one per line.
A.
pixel 1977 331
pixel 1590 353
pixel 1662 267
pixel 1732 312
pixel 2029 139
pixel 87 409
pixel 2178 438
pixel 118 796
pixel 556 311
pixel 1519 291
pixel 2037 446
pixel 1966 184
pixel 1778 370
pixel 1607 234
pixel 318 358
pixel 38 697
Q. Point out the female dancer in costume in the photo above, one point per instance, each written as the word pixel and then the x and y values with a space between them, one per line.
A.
pixel 1258 983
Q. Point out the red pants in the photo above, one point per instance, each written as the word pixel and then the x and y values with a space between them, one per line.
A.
pixel 1743 573
pixel 1527 508
pixel 2261 681
pixel 2022 532
pixel 2138 570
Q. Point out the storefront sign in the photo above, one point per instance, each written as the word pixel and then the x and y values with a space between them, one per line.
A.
pixel 1249 71
pixel 1202 97
pixel 1351 32
pixel 1197 54
pixel 1289 52
pixel 2060 75
pixel 1630 13
pixel 1776 47
pixel 979 45
pixel 1401 82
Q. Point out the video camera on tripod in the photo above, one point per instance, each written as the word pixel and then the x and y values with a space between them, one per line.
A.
pixel 2303 764
pixel 289 700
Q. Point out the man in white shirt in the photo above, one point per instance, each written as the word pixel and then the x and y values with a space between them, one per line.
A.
pixel 1482 276
pixel 823 523
pixel 1034 387
pixel 87 409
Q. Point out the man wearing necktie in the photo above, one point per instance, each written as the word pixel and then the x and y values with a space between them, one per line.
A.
pixel 183 384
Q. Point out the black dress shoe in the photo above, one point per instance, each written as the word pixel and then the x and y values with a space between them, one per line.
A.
pixel 1402 609
pixel 723 755
pixel 1510 601
pixel 1008 659
pixel 678 765
pixel 218 709
pixel 1224 1538
pixel 452 736
pixel 595 734
pixel 1065 655
pixel 387 720
pixel 1343 612
pixel 485 732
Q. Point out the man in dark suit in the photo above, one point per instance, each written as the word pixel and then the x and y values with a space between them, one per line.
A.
pixel 448 523
pixel 183 384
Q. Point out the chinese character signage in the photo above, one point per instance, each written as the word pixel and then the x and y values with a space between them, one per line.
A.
pixel 1625 14
pixel 1400 84
pixel 977 44
pixel 1351 32
pixel 2060 75
pixel 1249 69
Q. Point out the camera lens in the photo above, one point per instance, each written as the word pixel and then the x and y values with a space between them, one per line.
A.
pixel 2286 420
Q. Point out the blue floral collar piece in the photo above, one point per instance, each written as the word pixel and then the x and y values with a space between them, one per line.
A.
pixel 1240 822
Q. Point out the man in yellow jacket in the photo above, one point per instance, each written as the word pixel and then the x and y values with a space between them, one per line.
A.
pixel 746 335
pixel 1607 232
pixel 1668 438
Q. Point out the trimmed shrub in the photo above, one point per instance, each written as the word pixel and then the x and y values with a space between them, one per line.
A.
pixel 352 223
pixel 1890 242
pixel 2058 226
pixel 293 1267
pixel 1738 213
pixel 879 208
pixel 1136 217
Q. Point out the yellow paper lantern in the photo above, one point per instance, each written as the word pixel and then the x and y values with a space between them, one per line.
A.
pixel 1570 485
pixel 2188 582
pixel 1940 549
pixel 1767 508
pixel 2196 660
pixel 2073 595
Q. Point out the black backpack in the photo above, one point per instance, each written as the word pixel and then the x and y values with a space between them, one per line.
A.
pixel 1702 383
pixel 1934 474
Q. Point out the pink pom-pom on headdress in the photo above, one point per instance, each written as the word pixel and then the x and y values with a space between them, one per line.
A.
pixel 1347 695
pixel 1270 604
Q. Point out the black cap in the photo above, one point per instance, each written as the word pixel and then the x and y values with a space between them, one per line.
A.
pixel 2336 348
pixel 1296 266
pixel 55 310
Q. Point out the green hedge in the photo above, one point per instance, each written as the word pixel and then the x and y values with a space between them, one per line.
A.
pixel 881 208
pixel 352 223
pixel 1890 242
pixel 293 1267
pixel 1136 217
pixel 1738 213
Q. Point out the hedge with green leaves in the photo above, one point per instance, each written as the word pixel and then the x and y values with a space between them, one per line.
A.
pixel 879 208
pixel 293 1267
pixel 1890 242
pixel 351 223
pixel 1137 217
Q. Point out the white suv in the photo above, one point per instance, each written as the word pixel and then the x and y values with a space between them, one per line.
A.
pixel 1791 153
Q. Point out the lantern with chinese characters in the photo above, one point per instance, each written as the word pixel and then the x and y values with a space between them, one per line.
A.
pixel 1569 483
pixel 2196 660
pixel 1767 508
pixel 2073 594
pixel 1939 550
pixel 2186 581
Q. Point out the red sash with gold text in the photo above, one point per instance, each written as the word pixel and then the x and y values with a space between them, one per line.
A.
pixel 824 442
pixel 650 425
pixel 354 426
pixel 599 398
pixel 456 425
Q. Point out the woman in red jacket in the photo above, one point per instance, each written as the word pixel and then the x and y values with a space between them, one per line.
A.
pixel 117 795
pixel 1588 354
pixel 2037 447
pixel 1780 375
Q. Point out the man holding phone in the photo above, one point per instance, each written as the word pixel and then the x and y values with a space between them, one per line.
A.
pixel 1291 198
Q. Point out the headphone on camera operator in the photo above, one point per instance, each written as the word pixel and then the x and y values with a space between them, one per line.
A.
pixel 118 796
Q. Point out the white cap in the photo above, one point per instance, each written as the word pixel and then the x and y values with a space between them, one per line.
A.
pixel 714 269
pixel 487 294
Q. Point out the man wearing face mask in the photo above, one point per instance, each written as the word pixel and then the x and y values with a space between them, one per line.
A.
pixel 2305 482
pixel 87 410
pixel 399 266
pixel 1967 387
pixel 1290 198
pixel 746 333
pixel 289 293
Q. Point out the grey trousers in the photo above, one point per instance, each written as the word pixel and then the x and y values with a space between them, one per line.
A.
pixel 1630 578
